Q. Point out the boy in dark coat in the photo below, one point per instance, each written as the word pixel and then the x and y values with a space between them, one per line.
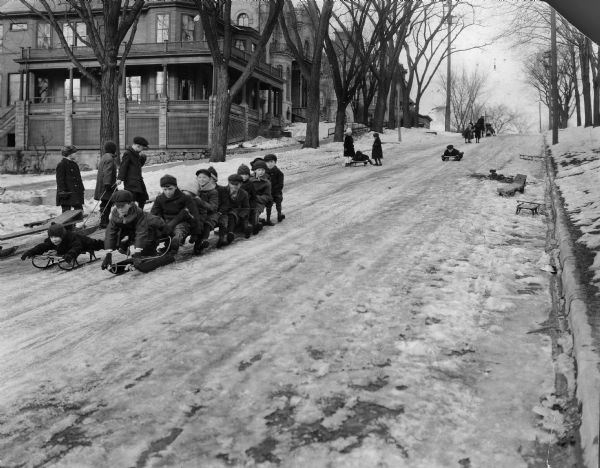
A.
pixel 377 152
pixel 276 178
pixel 106 181
pixel 247 185
pixel 130 225
pixel 130 171
pixel 452 152
pixel 206 198
pixel 178 210
pixel 262 186
pixel 69 186
pixel 67 244
pixel 234 210
pixel 349 144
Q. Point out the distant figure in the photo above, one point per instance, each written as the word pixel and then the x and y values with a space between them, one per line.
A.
pixel 489 130
pixel 106 181
pixel 452 152
pixel 349 144
pixel 130 171
pixel 69 186
pixel 479 128
pixel 377 152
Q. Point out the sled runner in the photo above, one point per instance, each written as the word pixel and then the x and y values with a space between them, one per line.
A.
pixel 144 264
pixel 46 261
pixel 356 160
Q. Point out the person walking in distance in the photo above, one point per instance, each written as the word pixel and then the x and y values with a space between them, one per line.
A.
pixel 130 170
pixel 349 144
pixel 377 152
pixel 69 186
pixel 106 181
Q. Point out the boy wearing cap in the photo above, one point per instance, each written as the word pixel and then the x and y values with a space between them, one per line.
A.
pixel 130 170
pixel 233 211
pixel 69 186
pixel 206 198
pixel 178 210
pixel 377 152
pixel 106 181
pixel 451 151
pixel 67 244
pixel 247 185
pixel 276 178
pixel 262 186
pixel 130 225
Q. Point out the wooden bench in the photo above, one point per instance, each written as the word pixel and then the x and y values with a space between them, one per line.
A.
pixel 518 185
pixel 531 157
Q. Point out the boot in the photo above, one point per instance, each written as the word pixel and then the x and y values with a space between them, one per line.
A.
pixel 199 246
pixel 280 217
pixel 230 237
pixel 247 231
pixel 221 242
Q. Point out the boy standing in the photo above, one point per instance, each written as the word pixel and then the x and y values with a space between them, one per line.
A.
pixel 178 210
pixel 130 171
pixel 276 178
pixel 69 186
pixel 67 244
pixel 106 180
pixel 377 152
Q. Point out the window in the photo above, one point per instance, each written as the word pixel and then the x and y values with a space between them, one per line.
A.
pixel 160 80
pixel 18 27
pixel 43 36
pixel 162 28
pixel 81 29
pixel 1 36
pixel 253 47
pixel 187 28
pixel 239 44
pixel 243 20
pixel 68 33
pixel 306 48
pixel 76 89
pixel 41 89
pixel 14 87
pixel 280 70
pixel 133 88
pixel 186 90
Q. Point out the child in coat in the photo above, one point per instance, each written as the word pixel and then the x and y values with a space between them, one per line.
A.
pixel 276 178
pixel 67 244
pixel 206 197
pixel 247 185
pixel 452 152
pixel 178 210
pixel 377 152
pixel 262 186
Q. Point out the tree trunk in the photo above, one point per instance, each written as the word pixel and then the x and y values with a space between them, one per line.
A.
pixel 380 105
pixel 597 100
pixel 576 85
pixel 312 114
pixel 109 105
pixel 392 104
pixel 222 107
pixel 340 121
pixel 584 62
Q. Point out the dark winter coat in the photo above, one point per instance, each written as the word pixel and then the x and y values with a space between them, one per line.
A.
pixel 107 176
pixel 136 224
pixel 239 206
pixel 69 186
pixel 452 152
pixel 208 205
pixel 248 187
pixel 169 208
pixel 72 244
pixel 348 146
pixel 276 178
pixel 377 152
pixel 263 190
pixel 130 172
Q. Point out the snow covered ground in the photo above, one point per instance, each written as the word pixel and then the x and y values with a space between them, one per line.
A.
pixel 383 323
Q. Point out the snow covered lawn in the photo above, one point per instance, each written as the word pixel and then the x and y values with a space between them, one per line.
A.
pixel 383 323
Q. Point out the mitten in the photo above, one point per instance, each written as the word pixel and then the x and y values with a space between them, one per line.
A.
pixel 107 261
pixel 69 257
pixel 26 255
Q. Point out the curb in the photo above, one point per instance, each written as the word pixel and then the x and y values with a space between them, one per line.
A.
pixel 586 355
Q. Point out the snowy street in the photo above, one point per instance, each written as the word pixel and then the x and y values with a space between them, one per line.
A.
pixel 393 320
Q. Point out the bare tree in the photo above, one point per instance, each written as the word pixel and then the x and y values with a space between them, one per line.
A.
pixel 108 24
pixel 319 18
pixel 505 120
pixel 595 62
pixel 465 96
pixel 216 22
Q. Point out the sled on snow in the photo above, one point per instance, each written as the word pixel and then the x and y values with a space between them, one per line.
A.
pixel 145 264
pixel 46 261
pixel 356 160
pixel 518 185
pixel 456 157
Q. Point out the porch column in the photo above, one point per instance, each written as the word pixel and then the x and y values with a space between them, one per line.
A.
pixel 21 84
pixel 211 118
pixel 27 79
pixel 20 125
pixel 244 103
pixel 257 97
pixel 162 122
pixel 269 101
pixel 165 86
pixel 122 122
pixel 69 112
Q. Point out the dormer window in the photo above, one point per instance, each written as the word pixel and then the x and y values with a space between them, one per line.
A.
pixel 243 19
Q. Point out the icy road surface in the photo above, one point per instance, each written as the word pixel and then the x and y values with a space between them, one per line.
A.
pixel 384 323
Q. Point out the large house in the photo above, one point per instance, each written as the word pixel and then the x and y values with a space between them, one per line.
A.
pixel 166 93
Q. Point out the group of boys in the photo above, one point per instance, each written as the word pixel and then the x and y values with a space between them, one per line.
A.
pixel 178 214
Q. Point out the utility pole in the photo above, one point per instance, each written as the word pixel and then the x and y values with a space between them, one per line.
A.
pixel 448 70
pixel 554 77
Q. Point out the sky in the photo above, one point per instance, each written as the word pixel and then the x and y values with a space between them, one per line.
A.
pixel 499 59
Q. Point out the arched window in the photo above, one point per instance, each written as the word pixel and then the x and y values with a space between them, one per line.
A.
pixel 306 48
pixel 280 69
pixel 243 20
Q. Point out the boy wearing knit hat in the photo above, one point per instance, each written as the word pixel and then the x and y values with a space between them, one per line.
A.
pixel 67 244
pixel 262 186
pixel 69 186
pixel 130 227
pixel 276 178
pixel 179 212
pixel 233 211
pixel 206 199
pixel 247 185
